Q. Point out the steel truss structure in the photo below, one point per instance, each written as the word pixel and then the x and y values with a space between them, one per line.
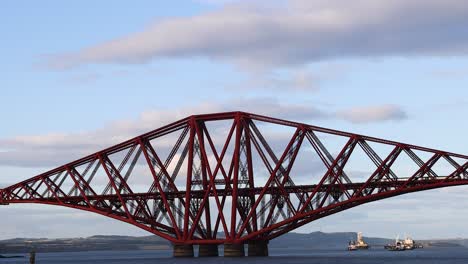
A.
pixel 207 185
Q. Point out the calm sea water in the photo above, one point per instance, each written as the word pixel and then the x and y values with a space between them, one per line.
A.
pixel 426 256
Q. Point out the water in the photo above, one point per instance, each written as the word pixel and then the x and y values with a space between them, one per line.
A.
pixel 426 256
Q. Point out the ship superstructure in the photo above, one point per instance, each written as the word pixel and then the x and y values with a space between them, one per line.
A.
pixel 407 244
pixel 358 244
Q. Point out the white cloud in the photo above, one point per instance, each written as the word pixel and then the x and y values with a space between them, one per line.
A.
pixel 298 81
pixel 291 32
pixel 58 148
pixel 293 80
pixel 372 114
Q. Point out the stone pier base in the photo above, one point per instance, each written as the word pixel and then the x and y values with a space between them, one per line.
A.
pixel 258 248
pixel 208 251
pixel 234 250
pixel 183 251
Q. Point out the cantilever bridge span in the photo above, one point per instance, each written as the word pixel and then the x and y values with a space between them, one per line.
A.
pixel 237 178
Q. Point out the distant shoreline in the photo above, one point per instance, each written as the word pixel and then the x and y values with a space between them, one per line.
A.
pixel 312 241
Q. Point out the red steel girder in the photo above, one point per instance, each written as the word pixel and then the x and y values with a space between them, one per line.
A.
pixel 209 185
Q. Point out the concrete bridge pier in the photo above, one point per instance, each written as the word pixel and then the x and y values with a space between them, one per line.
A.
pixel 208 251
pixel 234 250
pixel 182 251
pixel 258 248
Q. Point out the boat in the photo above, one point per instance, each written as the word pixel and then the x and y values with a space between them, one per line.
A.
pixel 398 246
pixel 407 244
pixel 411 244
pixel 351 246
pixel 358 244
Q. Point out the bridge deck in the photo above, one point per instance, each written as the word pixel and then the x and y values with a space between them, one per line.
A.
pixel 257 190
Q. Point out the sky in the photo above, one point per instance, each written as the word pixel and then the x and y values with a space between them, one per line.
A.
pixel 77 77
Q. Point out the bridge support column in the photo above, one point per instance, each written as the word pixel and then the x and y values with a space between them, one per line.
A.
pixel 258 248
pixel 182 251
pixel 208 251
pixel 234 250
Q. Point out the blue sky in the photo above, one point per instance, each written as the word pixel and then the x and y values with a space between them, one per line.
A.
pixel 76 77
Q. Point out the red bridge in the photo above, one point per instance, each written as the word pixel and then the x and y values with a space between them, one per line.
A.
pixel 237 178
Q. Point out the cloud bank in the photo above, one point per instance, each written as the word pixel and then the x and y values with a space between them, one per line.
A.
pixel 282 33
pixel 372 114
pixel 55 149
